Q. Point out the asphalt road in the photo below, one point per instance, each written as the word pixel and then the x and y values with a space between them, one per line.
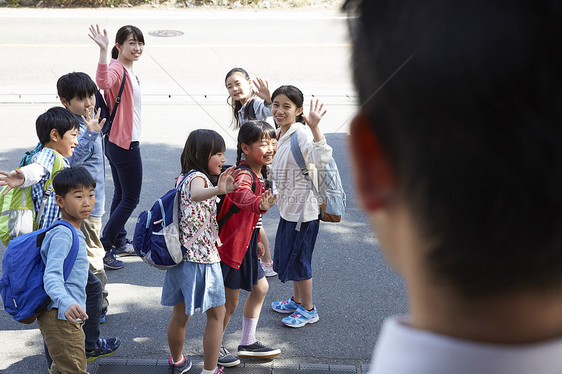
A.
pixel 182 79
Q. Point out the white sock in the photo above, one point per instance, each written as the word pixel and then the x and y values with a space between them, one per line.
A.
pixel 179 362
pixel 249 326
pixel 208 371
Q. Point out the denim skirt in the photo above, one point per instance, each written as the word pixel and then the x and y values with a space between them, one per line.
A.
pixel 293 250
pixel 199 286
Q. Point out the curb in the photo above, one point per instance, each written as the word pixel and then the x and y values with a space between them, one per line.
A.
pixel 115 365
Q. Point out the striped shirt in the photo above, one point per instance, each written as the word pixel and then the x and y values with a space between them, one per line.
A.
pixel 37 174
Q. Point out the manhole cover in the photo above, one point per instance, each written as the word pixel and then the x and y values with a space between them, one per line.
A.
pixel 165 33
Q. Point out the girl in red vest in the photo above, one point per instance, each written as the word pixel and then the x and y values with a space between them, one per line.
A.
pixel 239 216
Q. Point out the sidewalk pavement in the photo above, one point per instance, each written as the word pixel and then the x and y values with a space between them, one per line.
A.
pixel 140 366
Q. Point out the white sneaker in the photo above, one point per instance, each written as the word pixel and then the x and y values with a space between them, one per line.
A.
pixel 268 269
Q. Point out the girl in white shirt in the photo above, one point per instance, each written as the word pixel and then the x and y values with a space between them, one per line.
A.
pixel 298 207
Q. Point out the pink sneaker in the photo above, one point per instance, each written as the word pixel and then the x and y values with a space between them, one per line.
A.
pixel 218 370
pixel 268 269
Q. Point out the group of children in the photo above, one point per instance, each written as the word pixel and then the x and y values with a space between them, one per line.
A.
pixel 225 256
pixel 227 248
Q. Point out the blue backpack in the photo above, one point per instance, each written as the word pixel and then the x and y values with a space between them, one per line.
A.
pixel 157 234
pixel 21 285
pixel 329 192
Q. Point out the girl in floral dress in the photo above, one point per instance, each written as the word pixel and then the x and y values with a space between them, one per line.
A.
pixel 197 283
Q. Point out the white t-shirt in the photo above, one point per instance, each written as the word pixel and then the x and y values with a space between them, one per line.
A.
pixel 137 124
pixel 294 195
pixel 402 349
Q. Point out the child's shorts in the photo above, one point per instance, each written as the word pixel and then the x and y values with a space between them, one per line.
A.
pixel 293 250
pixel 250 270
pixel 197 285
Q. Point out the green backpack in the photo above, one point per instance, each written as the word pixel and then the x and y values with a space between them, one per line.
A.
pixel 18 215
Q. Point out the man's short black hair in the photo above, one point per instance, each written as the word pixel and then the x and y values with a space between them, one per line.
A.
pixel 75 84
pixel 465 100
pixel 58 118
pixel 70 178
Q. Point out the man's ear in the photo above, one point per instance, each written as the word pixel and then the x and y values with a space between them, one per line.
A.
pixel 374 179
pixel 64 102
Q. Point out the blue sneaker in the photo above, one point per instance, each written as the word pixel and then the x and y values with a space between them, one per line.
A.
pixel 180 368
pixel 126 249
pixel 285 306
pixel 301 317
pixel 110 262
pixel 105 347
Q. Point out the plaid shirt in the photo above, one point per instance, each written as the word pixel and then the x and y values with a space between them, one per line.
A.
pixel 46 158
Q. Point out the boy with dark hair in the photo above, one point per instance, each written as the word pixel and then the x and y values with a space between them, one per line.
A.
pixel 57 130
pixel 77 93
pixel 61 323
pixel 459 148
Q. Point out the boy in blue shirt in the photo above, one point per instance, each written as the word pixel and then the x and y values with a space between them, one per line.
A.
pixel 61 323
pixel 77 93
pixel 57 130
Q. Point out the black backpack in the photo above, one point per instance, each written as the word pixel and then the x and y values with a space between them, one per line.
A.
pixel 100 103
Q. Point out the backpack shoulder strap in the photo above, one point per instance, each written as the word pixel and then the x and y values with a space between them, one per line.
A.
pixel 107 127
pixel 73 254
pixel 247 167
pixel 233 208
pixel 118 98
pixel 58 164
pixel 297 154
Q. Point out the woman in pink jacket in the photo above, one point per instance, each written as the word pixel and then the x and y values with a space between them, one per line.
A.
pixel 122 142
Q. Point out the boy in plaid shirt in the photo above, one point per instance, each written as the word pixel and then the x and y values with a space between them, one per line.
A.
pixel 57 130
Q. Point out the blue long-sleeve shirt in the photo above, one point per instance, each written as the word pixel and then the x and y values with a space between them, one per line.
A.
pixel 54 250
pixel 90 155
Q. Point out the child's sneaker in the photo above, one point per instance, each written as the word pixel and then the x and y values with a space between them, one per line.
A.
pixel 268 269
pixel 301 317
pixel 110 262
pixel 257 350
pixel 105 347
pixel 285 306
pixel 227 359
pixel 180 368
pixel 126 249
pixel 218 370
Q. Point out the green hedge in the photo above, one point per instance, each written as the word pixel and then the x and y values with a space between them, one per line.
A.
pixel 178 3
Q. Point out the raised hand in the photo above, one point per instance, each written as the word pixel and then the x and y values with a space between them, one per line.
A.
pixel 92 120
pixel 315 114
pixel 268 199
pixel 11 179
pixel 98 37
pixel 262 89
pixel 226 180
